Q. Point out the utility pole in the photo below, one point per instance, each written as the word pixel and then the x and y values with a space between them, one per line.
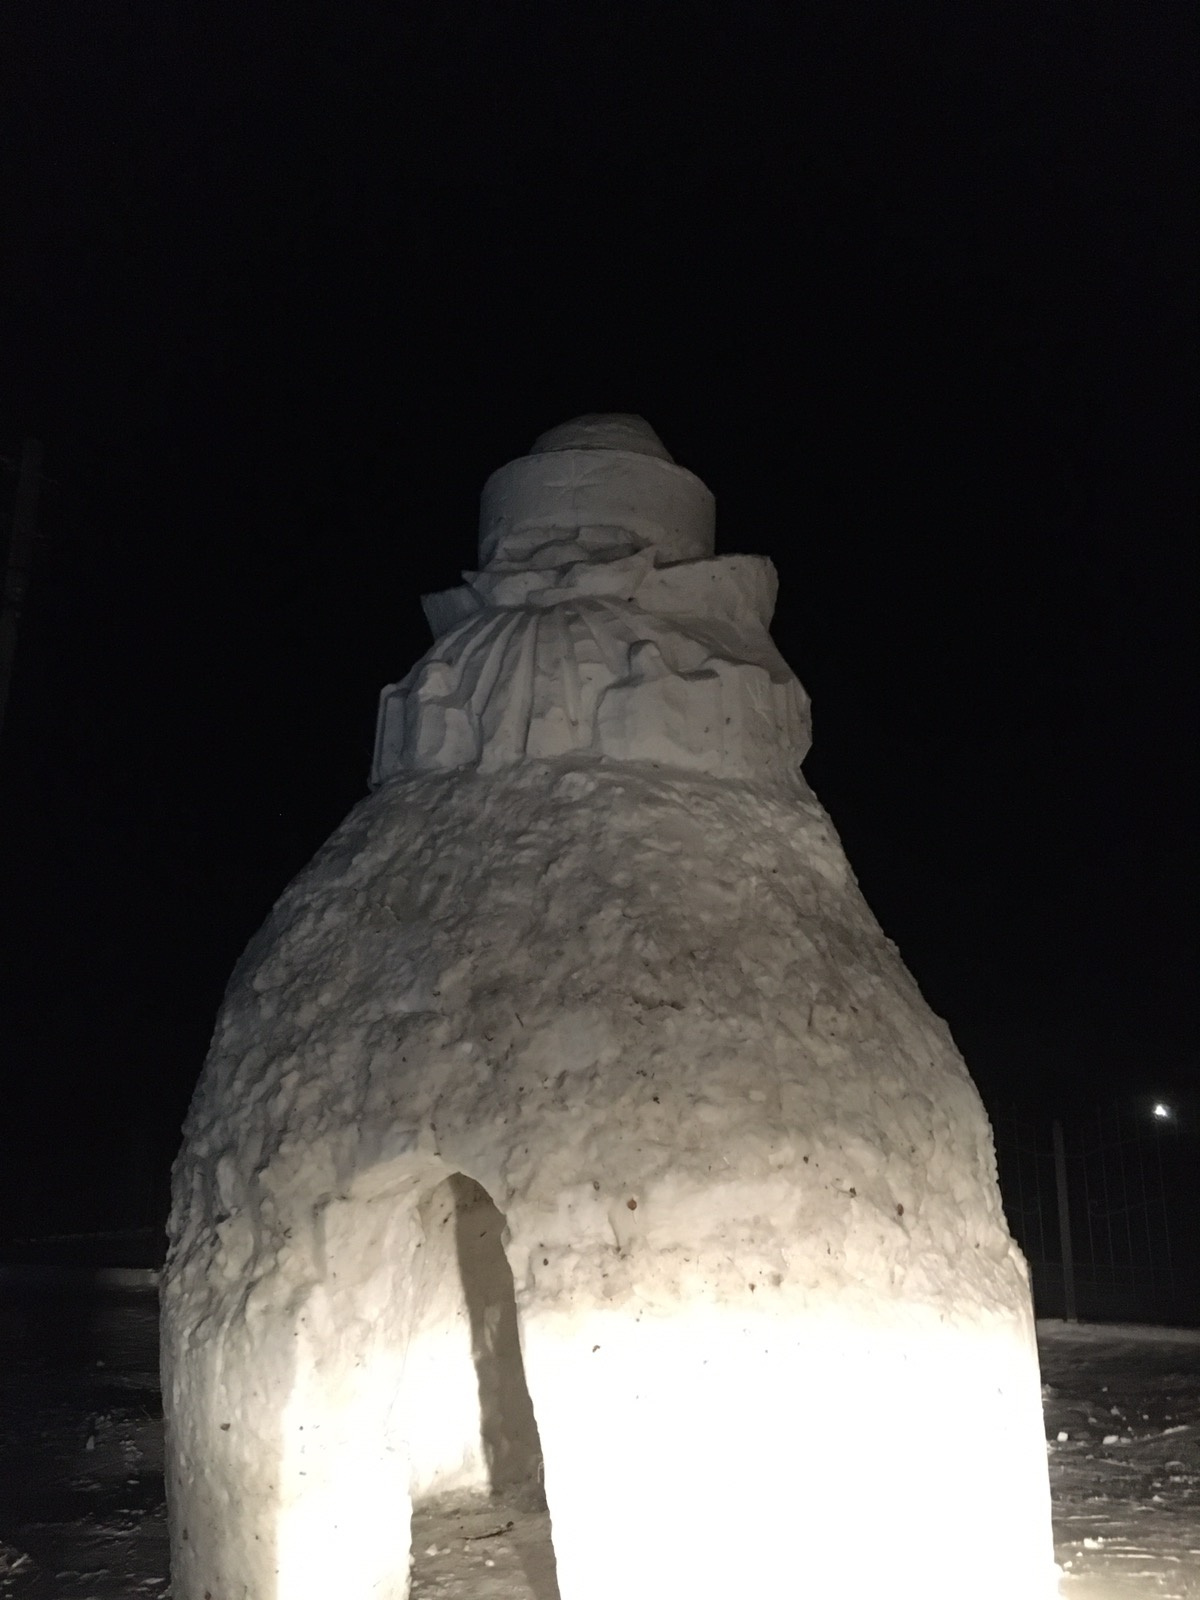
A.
pixel 20 559
pixel 1064 1222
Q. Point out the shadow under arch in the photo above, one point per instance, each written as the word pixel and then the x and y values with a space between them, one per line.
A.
pixel 464 1255
pixel 512 1447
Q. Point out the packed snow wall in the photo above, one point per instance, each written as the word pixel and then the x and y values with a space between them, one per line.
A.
pixel 572 1118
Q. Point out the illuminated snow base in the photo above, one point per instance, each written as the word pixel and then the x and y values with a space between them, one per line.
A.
pixel 572 1123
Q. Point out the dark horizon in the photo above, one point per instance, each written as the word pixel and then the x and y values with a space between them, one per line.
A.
pixel 915 297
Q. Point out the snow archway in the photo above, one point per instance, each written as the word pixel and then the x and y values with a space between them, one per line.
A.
pixel 409 1384
pixel 377 1368
pixel 508 1432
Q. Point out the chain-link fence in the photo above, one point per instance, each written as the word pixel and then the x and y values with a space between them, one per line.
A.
pixel 1104 1205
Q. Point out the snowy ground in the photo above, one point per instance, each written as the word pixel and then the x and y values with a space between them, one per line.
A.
pixel 1122 1410
pixel 81 1502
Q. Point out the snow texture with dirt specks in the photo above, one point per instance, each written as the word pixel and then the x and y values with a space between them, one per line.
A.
pixel 633 986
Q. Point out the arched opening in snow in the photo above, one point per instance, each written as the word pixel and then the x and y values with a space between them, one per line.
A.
pixel 512 1450
pixel 476 1452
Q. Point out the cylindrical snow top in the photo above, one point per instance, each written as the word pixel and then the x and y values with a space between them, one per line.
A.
pixel 600 480
pixel 613 430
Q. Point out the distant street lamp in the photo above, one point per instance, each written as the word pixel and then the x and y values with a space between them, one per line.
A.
pixel 1162 1112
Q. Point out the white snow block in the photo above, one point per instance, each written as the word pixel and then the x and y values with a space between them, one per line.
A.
pixel 571 1123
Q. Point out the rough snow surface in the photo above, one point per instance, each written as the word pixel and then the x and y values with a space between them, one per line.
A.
pixel 651 1015
pixel 625 985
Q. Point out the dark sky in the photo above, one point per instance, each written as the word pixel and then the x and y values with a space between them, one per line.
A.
pixel 911 287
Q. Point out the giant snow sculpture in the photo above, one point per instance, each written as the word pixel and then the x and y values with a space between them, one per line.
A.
pixel 585 989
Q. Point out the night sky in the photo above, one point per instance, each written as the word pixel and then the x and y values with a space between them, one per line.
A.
pixel 911 288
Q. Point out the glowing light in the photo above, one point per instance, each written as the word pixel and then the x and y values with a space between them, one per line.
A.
pixel 344 1487
pixel 713 1449
pixel 730 1449
pixel 1162 1111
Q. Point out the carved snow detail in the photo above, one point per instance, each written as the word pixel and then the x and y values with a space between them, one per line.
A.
pixel 600 623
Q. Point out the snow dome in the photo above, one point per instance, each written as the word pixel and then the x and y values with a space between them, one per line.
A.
pixel 571 1128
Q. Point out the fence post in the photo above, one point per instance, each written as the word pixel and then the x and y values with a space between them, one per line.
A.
pixel 1064 1223
pixel 20 558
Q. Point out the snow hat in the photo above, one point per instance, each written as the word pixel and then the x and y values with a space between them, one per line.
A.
pixel 597 475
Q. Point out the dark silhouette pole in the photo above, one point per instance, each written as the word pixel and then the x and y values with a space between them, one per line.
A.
pixel 1064 1222
pixel 20 559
